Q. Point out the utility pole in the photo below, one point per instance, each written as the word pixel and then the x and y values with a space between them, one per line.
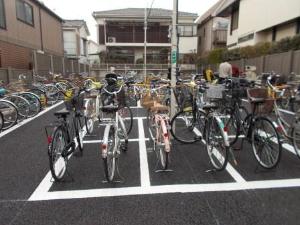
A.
pixel 145 44
pixel 174 53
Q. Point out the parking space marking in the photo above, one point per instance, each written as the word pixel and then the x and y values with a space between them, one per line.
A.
pixel 167 189
pixel 144 168
pixel 100 141
pixel 20 124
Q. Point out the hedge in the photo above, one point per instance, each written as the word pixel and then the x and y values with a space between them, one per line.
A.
pixel 220 55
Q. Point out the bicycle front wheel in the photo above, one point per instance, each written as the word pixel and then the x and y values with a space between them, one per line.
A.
pixel 266 144
pixel 126 114
pixel 1 121
pixel 109 152
pixel 57 161
pixel 184 127
pixel 216 146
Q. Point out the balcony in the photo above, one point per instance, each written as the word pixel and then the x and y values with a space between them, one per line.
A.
pixel 219 37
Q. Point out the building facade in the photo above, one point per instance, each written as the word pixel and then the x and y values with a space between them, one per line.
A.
pixel 27 25
pixel 212 30
pixel 254 21
pixel 75 36
pixel 121 34
pixel 94 51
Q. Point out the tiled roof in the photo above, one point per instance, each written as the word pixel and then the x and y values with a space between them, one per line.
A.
pixel 140 12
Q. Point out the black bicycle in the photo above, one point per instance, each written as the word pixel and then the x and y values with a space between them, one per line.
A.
pixel 66 136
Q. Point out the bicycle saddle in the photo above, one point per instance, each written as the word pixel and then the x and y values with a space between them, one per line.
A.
pixel 210 106
pixel 62 113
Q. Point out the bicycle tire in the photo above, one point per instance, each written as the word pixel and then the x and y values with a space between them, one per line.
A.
pixel 263 139
pixel 1 121
pixel 217 153
pixel 79 135
pixel 296 139
pixel 182 127
pixel 41 94
pixel 56 158
pixel 10 114
pixel 35 103
pixel 109 160
pixel 126 113
pixel 163 153
pixel 22 104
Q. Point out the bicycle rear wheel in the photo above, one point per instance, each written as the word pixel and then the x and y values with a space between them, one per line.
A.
pixel 22 104
pixel 184 127
pixel 266 144
pixel 57 161
pixel 35 104
pixel 216 145
pixel 10 114
pixel 296 138
pixel 109 152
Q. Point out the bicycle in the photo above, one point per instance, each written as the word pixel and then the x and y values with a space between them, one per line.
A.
pixel 258 129
pixel 114 131
pixel 158 122
pixel 290 130
pixel 66 134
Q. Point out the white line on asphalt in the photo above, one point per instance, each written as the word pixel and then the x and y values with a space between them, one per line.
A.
pixel 230 169
pixel 144 169
pixel 100 141
pixel 139 103
pixel 20 124
pixel 165 189
pixel 136 107
pixel 46 183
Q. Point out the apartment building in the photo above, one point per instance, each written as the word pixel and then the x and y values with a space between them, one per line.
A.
pixel 212 30
pixel 254 21
pixel 121 34
pixel 27 25
pixel 94 51
pixel 75 36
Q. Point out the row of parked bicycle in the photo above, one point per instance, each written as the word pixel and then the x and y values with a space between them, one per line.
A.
pixel 215 114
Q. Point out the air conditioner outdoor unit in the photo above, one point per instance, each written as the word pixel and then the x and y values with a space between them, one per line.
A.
pixel 111 40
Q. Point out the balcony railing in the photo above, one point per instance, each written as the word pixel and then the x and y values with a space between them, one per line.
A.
pixel 136 37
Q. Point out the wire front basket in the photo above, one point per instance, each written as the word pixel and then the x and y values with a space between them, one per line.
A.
pixel 76 103
pixel 262 93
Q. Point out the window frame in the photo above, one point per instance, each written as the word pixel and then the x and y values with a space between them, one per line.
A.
pixel 4 16
pixel 298 26
pixel 20 19
pixel 183 33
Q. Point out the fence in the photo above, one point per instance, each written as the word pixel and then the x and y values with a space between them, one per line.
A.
pixel 11 75
pixel 43 64
pixel 282 63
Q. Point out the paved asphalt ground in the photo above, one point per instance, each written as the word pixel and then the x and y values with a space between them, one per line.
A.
pixel 242 194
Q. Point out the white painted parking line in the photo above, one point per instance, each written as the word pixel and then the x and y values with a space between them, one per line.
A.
pixel 167 189
pixel 20 124
pixel 139 104
pixel 144 169
pixel 100 141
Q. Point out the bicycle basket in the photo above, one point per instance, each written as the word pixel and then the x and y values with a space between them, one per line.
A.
pixel 147 101
pixel 215 91
pixel 263 108
pixel 76 103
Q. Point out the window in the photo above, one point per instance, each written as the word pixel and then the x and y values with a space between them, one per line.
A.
pixel 2 15
pixel 274 32
pixel 298 26
pixel 24 12
pixel 234 20
pixel 187 30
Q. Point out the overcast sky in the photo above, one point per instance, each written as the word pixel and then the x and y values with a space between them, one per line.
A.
pixel 82 9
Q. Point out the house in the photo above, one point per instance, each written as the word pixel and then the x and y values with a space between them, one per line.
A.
pixel 25 26
pixel 212 30
pixel 75 34
pixel 254 21
pixel 121 34
pixel 94 51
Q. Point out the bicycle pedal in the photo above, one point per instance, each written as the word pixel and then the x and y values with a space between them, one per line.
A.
pixel 162 171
